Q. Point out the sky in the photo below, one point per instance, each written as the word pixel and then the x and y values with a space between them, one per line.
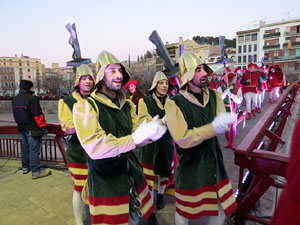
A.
pixel 122 27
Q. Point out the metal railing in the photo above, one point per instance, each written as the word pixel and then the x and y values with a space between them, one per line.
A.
pixel 258 153
pixel 52 149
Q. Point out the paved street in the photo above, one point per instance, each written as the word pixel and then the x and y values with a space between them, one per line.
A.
pixel 47 201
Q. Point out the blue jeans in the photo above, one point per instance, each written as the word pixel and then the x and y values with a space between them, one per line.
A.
pixel 31 151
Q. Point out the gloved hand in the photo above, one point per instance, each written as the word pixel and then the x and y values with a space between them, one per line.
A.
pixel 221 122
pixel 228 92
pixel 148 131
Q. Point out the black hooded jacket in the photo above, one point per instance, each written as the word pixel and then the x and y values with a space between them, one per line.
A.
pixel 27 111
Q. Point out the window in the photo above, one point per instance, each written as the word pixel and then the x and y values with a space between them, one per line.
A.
pixel 287 39
pixel 249 48
pixel 240 39
pixel 254 58
pixel 277 30
pixel 276 53
pixel 297 38
pixel 245 48
pixel 28 70
pixel 255 47
pixel 254 37
pixel 244 59
pixel 4 70
pixel 0 70
pixel 266 31
pixel 248 38
pixel 5 77
pixel 240 59
pixel 297 52
pixel 12 84
pixel 286 53
pixel 11 69
pixel 6 84
pixel 240 49
pixel 28 64
pixel 11 77
pixel 29 77
pixel 20 64
pixel 297 65
pixel 249 58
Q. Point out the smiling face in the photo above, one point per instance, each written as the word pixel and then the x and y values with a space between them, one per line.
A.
pixel 162 87
pixel 132 88
pixel 86 84
pixel 113 77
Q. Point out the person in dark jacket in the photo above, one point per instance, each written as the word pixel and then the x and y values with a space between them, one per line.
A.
pixel 32 125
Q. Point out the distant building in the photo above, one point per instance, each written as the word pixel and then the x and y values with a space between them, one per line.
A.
pixel 13 69
pixel 247 47
pixel 61 80
pixel 273 43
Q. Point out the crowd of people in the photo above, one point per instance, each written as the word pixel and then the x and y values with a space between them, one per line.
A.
pixel 108 117
pixel 248 86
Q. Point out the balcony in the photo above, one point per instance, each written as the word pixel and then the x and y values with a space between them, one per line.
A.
pixel 275 58
pixel 271 46
pixel 296 43
pixel 290 33
pixel 282 58
pixel 277 34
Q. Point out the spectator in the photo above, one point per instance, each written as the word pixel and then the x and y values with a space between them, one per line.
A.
pixel 32 125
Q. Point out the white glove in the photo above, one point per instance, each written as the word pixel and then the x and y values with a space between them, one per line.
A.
pixel 228 92
pixel 149 131
pixel 221 122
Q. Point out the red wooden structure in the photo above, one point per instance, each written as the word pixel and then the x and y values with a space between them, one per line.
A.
pixel 268 134
pixel 11 145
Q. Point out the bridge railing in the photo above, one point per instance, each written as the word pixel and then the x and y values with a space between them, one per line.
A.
pixel 52 149
pixel 259 153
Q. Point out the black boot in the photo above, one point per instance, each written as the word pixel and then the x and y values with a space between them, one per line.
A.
pixel 160 204
pixel 152 220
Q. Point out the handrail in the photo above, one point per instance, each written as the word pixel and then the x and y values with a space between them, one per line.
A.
pixel 263 163
pixel 54 129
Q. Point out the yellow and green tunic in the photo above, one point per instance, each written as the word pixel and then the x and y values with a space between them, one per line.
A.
pixel 200 178
pixel 75 155
pixel 104 130
pixel 156 158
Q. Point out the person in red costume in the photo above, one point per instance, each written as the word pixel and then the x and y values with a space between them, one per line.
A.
pixel 275 79
pixel 251 83
pixel 214 82
pixel 239 75
pixel 261 94
pixel 232 96
pixel 134 93
pixel 287 210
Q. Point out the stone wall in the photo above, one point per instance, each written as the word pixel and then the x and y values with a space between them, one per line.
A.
pixel 48 106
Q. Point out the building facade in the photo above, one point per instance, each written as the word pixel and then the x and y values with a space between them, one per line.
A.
pixel 281 45
pixel 271 43
pixel 14 69
pixel 248 46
